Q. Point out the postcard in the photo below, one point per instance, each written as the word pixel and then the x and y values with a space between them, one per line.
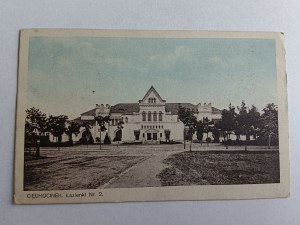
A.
pixel 145 115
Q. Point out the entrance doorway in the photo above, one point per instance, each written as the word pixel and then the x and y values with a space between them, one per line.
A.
pixel 152 136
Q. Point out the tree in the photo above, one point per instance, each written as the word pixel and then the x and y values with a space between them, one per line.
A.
pixel 57 126
pixel 35 121
pixel 208 125
pixel 35 125
pixel 228 124
pixel 200 130
pixel 120 127
pixel 102 120
pixel 255 120
pixel 269 123
pixel 107 139
pixel 216 134
pixel 248 120
pixel 73 128
pixel 186 116
pixel 86 134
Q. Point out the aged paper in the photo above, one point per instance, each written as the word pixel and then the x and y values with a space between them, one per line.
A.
pixel 130 115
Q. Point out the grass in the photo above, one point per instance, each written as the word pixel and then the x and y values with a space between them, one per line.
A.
pixel 74 171
pixel 221 168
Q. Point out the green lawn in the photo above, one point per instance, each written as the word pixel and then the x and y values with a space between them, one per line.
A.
pixel 221 168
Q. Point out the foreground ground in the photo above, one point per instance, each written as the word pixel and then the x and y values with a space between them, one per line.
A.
pixel 83 167
pixel 199 168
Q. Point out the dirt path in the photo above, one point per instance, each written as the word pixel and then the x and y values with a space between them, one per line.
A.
pixel 142 174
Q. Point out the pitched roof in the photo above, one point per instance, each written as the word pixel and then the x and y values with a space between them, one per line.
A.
pixel 91 112
pixel 128 108
pixel 173 107
pixel 152 89
pixel 216 111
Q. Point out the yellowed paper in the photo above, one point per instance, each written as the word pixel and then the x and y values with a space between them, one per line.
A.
pixel 130 115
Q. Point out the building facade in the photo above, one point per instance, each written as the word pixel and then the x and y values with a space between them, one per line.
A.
pixel 150 120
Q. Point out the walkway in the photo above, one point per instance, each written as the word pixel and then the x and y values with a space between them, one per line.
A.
pixel 143 174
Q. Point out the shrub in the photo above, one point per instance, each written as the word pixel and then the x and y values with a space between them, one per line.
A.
pixel 208 140
pixel 107 139
pixel 83 140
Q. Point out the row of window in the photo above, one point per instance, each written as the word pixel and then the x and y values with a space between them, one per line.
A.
pixel 144 116
pixel 152 126
pixel 151 100
pixel 149 136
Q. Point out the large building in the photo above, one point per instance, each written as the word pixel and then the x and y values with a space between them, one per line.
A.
pixel 150 120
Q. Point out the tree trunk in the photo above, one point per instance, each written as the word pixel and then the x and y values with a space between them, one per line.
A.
pixel 100 140
pixel 226 140
pixel 37 153
pixel 57 143
pixel 191 143
pixel 70 139
pixel 246 142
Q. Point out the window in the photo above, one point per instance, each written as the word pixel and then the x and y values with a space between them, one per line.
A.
pixel 161 135
pixel 151 100
pixel 144 116
pixel 112 122
pixel 160 116
pixel 154 116
pixel 149 116
pixel 126 119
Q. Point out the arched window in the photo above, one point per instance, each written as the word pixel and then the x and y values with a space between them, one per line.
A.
pixel 126 119
pixel 154 116
pixel 149 116
pixel 149 100
pixel 154 100
pixel 144 116
pixel 160 116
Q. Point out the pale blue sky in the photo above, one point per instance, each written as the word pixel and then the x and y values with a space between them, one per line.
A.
pixel 64 72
